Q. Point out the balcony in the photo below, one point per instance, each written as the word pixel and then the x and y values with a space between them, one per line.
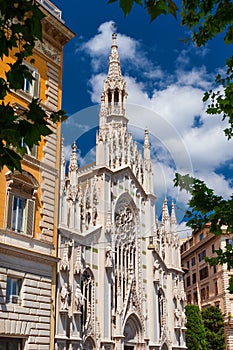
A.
pixel 48 5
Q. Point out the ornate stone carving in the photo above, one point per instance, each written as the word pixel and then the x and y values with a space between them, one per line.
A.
pixel 78 298
pixel 183 319
pixel 177 317
pixel 78 262
pixel 65 266
pixel 108 257
pixel 125 224
pixel 64 294
pixel 49 51
pixel 156 270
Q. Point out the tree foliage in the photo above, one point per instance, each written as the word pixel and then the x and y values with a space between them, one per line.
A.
pixel 20 28
pixel 206 20
pixel 205 207
pixel 195 334
pixel 213 321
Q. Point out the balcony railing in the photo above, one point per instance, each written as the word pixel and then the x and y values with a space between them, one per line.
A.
pixel 51 8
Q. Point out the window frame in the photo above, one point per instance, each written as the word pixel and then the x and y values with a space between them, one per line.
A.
pixel 21 187
pixel 204 273
pixel 13 296
pixel 32 88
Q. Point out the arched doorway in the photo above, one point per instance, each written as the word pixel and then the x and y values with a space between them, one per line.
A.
pixel 164 347
pixel 133 334
pixel 89 344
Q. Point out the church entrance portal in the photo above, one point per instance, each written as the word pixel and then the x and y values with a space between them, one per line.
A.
pixel 133 334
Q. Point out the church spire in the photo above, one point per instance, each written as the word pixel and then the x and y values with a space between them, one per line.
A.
pixel 114 68
pixel 113 99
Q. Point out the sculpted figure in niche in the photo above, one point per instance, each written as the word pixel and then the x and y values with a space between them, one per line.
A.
pixel 65 259
pixel 64 297
pixel 183 319
pixel 88 219
pixel 156 269
pixel 94 215
pixel 79 298
pixel 108 257
pixel 177 317
pixel 78 263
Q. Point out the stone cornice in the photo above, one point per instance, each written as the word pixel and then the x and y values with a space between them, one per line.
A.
pixel 22 245
pixel 27 254
pixel 55 31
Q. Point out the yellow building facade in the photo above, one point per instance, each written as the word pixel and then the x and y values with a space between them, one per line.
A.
pixel 29 202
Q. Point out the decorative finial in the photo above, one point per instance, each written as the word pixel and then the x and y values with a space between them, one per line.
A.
pixel 146 139
pixel 73 166
pixel 114 37
pixel 173 214
pixel 165 212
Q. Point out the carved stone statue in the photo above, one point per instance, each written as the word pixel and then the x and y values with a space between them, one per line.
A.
pixel 156 269
pixel 78 298
pixel 108 257
pixel 65 259
pixel 177 316
pixel 183 319
pixel 78 262
pixel 64 297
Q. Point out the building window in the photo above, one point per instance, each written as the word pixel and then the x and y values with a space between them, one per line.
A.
pixel 195 300
pixel 193 261
pixel 216 287
pixel 204 273
pixel 10 344
pixel 189 298
pixel 187 264
pixel 201 255
pixel 203 294
pixel 201 236
pixel 13 288
pixel 32 88
pixel 188 282
pixel 213 248
pixel 194 278
pixel 215 269
pixel 21 202
pixel 207 292
pixel 20 214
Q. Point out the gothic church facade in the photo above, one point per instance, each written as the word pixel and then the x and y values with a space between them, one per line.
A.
pixel 120 282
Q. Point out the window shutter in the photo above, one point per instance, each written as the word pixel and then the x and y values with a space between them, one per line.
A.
pixel 9 210
pixel 30 217
pixel 36 83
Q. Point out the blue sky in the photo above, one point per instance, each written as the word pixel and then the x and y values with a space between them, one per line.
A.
pixel 165 79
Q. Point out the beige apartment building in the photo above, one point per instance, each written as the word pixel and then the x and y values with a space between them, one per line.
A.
pixel 207 285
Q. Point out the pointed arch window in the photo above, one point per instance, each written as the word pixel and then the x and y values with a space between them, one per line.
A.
pixel 125 250
pixel 20 209
pixel 116 96
pixel 109 96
